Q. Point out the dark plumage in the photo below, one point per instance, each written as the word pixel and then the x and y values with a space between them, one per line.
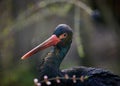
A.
pixel 83 76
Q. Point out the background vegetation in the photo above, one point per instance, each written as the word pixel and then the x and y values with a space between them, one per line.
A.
pixel 26 23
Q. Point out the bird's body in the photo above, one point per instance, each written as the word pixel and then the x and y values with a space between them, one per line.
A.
pixel 95 76
pixel 77 76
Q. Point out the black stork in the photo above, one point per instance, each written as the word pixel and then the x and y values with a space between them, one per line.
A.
pixel 50 74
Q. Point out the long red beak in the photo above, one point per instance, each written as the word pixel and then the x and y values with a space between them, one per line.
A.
pixel 53 40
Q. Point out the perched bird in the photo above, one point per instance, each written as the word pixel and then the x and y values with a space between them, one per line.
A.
pixel 50 74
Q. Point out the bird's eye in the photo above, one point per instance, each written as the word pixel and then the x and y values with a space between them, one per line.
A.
pixel 65 35
pixel 62 36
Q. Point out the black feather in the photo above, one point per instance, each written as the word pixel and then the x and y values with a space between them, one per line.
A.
pixel 78 76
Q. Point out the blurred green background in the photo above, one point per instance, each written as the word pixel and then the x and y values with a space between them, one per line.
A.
pixel 26 23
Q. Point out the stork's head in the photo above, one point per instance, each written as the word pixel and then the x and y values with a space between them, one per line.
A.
pixel 61 37
pixel 64 34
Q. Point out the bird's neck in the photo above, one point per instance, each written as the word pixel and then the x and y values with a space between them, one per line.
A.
pixel 56 55
pixel 52 61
